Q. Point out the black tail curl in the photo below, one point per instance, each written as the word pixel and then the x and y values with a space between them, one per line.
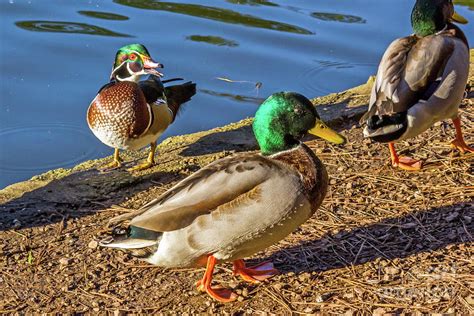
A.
pixel 387 128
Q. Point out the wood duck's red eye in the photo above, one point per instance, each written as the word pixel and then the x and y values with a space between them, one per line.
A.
pixel 132 56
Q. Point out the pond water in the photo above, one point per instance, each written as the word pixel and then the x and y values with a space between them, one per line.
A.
pixel 56 54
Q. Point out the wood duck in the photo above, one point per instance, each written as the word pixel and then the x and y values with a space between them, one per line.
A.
pixel 421 80
pixel 130 114
pixel 238 205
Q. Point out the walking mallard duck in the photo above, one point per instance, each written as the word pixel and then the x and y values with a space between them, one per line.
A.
pixel 239 205
pixel 130 114
pixel 421 80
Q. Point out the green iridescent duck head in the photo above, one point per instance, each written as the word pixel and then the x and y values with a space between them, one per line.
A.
pixel 133 61
pixel 284 118
pixel 431 16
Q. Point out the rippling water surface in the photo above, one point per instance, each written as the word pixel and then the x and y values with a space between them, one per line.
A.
pixel 56 54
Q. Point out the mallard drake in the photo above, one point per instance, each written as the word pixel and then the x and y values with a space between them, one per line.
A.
pixel 239 205
pixel 130 114
pixel 421 80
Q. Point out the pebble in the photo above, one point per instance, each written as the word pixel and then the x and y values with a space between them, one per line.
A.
pixel 277 286
pixel 392 270
pixel 16 223
pixel 65 261
pixel 93 244
pixel 452 216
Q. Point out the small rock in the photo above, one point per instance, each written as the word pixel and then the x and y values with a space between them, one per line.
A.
pixel 64 261
pixel 452 216
pixel 378 312
pixel 470 299
pixel 16 223
pixel 308 310
pixel 392 270
pixel 93 244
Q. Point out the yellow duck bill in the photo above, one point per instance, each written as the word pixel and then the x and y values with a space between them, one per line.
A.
pixel 459 18
pixel 323 131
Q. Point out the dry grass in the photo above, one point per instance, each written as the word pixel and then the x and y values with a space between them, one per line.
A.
pixel 384 241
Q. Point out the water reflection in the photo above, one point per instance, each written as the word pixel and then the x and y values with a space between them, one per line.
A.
pixel 467 3
pixel 352 74
pixel 254 2
pixel 235 97
pixel 67 27
pixel 344 18
pixel 213 13
pixel 46 146
pixel 104 15
pixel 213 40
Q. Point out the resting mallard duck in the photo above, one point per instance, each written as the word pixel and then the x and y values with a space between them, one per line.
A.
pixel 239 205
pixel 421 80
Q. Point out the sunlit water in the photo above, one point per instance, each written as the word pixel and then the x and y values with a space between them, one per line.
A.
pixel 56 54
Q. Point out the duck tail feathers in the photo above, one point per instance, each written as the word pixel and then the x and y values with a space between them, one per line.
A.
pixel 137 241
pixel 386 128
pixel 178 94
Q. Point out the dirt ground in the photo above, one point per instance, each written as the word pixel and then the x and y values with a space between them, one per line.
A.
pixel 384 240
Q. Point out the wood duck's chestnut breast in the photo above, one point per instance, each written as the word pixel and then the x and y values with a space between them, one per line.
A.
pixel 119 112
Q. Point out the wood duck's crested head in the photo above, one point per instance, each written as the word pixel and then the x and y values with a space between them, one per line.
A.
pixel 133 61
pixel 431 16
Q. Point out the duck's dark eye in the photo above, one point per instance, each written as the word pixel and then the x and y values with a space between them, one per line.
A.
pixel 298 111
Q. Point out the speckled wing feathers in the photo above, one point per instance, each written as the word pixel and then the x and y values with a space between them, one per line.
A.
pixel 218 183
pixel 408 69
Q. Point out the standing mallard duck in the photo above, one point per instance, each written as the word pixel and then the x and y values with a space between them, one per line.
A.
pixel 239 205
pixel 128 114
pixel 421 80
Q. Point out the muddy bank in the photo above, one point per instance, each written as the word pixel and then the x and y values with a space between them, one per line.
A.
pixel 384 240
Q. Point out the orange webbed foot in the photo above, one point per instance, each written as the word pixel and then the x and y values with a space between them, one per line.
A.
pixel 216 292
pixel 407 163
pixel 460 145
pixel 255 274
pixel 459 142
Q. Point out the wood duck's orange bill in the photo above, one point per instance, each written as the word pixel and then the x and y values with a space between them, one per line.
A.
pixel 323 131
pixel 150 66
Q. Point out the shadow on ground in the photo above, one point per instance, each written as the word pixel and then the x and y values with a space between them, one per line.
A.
pixel 391 238
pixel 240 139
pixel 76 195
